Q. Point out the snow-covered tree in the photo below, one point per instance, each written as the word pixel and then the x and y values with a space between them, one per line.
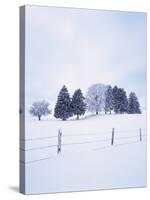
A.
pixel 78 104
pixel 95 98
pixel 133 104
pixel 109 100
pixel 63 106
pixel 39 109
pixel 120 102
pixel 123 101
pixel 115 93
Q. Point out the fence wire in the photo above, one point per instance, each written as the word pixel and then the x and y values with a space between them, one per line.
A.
pixel 116 138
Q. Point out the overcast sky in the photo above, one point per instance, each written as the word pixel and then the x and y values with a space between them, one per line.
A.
pixel 80 47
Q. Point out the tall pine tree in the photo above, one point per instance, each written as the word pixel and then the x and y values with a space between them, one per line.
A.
pixel 120 101
pixel 133 104
pixel 115 93
pixel 123 101
pixel 78 105
pixel 63 106
pixel 109 100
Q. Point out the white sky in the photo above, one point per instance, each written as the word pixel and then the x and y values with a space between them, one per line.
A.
pixel 80 47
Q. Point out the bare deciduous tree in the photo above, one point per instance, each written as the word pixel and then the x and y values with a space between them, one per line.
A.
pixel 39 109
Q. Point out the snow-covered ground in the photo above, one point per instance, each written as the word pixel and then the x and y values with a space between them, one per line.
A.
pixel 87 161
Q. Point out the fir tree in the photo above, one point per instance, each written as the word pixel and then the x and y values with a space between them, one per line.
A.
pixel 120 101
pixel 115 93
pixel 123 101
pixel 133 104
pixel 63 106
pixel 78 105
pixel 109 100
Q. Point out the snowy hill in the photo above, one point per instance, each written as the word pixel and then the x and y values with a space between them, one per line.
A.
pixel 87 160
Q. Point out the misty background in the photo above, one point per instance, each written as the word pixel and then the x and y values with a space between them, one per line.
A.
pixel 81 47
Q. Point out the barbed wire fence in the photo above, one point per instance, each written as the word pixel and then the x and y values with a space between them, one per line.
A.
pixel 113 137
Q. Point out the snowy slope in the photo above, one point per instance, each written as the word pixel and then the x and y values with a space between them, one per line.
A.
pixel 88 161
pixel 117 167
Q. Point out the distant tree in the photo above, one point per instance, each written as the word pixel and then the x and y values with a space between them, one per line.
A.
pixel 133 104
pixel 115 93
pixel 95 98
pixel 109 100
pixel 39 109
pixel 63 106
pixel 123 108
pixel 77 104
pixel 120 101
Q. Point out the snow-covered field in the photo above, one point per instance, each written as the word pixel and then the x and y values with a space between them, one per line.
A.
pixel 87 161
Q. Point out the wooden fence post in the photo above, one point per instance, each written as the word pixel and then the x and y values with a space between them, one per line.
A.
pixel 112 139
pixel 140 135
pixel 59 141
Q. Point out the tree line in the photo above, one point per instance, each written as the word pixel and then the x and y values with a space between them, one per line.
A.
pixel 99 98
